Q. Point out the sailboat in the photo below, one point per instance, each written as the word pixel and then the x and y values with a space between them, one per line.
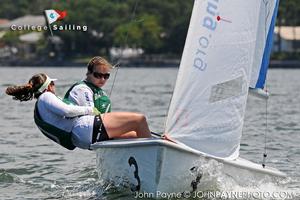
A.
pixel 226 55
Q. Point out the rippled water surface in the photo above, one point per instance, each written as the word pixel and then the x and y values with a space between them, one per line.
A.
pixel 32 167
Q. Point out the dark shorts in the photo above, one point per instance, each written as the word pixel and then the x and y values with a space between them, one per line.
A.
pixel 99 131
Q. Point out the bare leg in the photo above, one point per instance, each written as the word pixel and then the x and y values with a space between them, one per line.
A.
pixel 131 134
pixel 118 124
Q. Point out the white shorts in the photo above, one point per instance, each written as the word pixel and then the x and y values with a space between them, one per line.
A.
pixel 83 131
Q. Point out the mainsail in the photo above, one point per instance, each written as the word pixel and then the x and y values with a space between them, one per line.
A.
pixel 208 105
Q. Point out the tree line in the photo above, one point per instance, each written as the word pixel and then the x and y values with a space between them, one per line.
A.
pixel 156 26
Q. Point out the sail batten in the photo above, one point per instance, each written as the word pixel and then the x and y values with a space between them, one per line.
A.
pixel 208 105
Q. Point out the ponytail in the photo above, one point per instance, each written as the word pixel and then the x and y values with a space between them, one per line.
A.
pixel 28 91
pixel 22 92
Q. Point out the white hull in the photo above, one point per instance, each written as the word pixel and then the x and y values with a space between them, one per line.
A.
pixel 155 165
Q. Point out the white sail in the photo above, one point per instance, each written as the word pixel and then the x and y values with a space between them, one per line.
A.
pixel 208 104
pixel 267 15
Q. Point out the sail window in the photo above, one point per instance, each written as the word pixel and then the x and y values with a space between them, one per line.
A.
pixel 228 89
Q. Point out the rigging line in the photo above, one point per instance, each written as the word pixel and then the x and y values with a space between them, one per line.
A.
pixel 267 14
pixel 127 32
pixel 118 63
pixel 266 137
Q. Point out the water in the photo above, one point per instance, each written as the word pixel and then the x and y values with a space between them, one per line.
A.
pixel 32 167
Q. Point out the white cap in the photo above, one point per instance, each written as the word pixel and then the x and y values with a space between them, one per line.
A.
pixel 46 84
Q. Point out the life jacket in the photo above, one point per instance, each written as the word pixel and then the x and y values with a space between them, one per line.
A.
pixel 59 136
pixel 101 100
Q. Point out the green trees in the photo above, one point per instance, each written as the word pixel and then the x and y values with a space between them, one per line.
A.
pixel 17 8
pixel 289 13
pixel 153 25
pixel 157 26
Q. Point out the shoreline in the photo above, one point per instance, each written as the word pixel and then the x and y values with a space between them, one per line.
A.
pixel 168 63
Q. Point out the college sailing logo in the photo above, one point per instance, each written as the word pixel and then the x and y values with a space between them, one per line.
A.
pixel 55 15
pixel 51 16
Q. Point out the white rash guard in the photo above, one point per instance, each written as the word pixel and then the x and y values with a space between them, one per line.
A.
pixel 82 95
pixel 63 116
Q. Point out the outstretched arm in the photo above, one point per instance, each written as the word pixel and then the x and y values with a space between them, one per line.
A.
pixel 57 106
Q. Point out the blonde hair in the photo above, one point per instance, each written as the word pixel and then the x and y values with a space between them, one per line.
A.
pixel 27 91
pixel 97 61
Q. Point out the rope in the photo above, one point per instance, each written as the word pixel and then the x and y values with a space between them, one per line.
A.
pixel 267 13
pixel 266 135
pixel 117 65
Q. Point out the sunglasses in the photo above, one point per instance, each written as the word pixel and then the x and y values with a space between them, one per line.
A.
pixel 52 83
pixel 100 75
